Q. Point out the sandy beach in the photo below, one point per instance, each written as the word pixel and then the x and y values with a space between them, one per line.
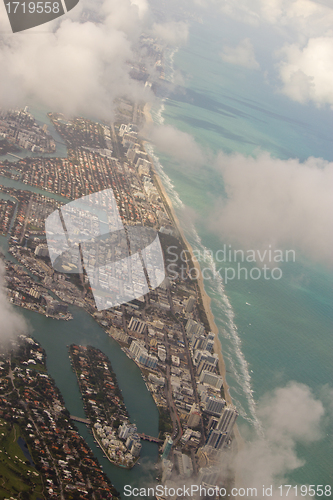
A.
pixel 205 298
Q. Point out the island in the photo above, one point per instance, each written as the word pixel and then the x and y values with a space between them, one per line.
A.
pixel 42 454
pixel 104 406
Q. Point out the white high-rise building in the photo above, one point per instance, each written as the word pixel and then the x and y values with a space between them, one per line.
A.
pixel 208 476
pixel 227 419
pixel 214 406
pixel 211 379
pixel 204 360
pixel 126 429
pixel 217 439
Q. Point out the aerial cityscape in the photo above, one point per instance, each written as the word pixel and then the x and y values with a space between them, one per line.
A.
pixel 165 251
pixel 167 332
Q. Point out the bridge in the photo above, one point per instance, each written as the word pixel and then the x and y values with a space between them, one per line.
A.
pixel 151 439
pixel 19 157
pixel 81 420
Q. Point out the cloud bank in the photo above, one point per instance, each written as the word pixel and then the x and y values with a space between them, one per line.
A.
pixel 287 421
pixel 12 324
pixel 180 145
pixel 79 63
pixel 284 203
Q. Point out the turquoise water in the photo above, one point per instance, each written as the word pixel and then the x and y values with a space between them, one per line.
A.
pixel 284 333
pixel 55 336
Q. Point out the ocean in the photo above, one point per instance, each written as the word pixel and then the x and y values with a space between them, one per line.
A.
pixel 272 332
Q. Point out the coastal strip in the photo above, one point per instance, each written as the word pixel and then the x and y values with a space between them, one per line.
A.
pixel 204 296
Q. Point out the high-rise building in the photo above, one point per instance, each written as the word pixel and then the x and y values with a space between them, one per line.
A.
pixel 208 476
pixel 167 447
pixel 126 429
pixel 194 416
pixel 141 355
pixel 214 405
pixel 227 419
pixel 217 439
pixel 190 304
pixel 209 342
pixel 41 250
pixel 211 379
pixel 204 360
pixel 136 448
pixel 192 327
pixel 184 464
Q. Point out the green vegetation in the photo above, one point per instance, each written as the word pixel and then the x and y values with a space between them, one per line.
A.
pixel 17 476
pixel 165 423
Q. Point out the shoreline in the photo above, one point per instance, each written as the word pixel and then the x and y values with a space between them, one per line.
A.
pixel 206 300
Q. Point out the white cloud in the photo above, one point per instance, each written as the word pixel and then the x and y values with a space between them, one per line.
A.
pixel 241 55
pixel 79 66
pixel 12 323
pixel 307 74
pixel 177 144
pixel 284 203
pixel 307 17
pixel 287 421
pixel 305 29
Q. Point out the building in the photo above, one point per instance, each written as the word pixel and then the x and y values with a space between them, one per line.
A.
pixel 136 448
pixel 140 354
pixel 166 448
pixel 211 379
pixel 217 439
pixel 190 304
pixel 192 327
pixel 167 467
pixel 136 325
pixel 214 406
pixel 126 429
pixel 194 417
pixel 208 476
pixel 184 464
pixel 41 250
pixel 227 419
pixel 204 360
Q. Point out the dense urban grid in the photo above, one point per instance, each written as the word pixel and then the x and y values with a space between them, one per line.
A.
pixel 165 332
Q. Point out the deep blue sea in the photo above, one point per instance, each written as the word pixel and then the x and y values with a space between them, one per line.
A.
pixel 272 332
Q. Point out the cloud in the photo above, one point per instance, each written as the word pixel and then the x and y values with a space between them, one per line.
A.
pixel 287 422
pixel 177 144
pixel 305 17
pixel 79 63
pixel 241 55
pixel 307 74
pixel 268 460
pixel 12 323
pixel 173 33
pixel 298 32
pixel 284 203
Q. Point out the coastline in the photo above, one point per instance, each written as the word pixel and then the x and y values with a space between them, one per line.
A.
pixel 206 300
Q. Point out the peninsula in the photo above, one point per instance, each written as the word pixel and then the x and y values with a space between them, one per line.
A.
pixel 170 332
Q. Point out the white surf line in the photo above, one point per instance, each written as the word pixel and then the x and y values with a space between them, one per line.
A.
pixel 245 383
